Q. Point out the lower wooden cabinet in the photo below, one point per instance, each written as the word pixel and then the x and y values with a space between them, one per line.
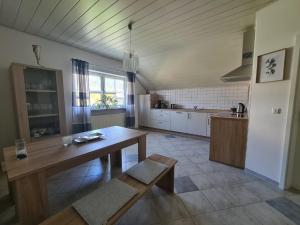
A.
pixel 228 140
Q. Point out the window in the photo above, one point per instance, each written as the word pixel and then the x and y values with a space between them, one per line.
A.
pixel 106 90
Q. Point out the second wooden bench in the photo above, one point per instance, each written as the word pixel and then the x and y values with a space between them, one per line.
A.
pixel 165 181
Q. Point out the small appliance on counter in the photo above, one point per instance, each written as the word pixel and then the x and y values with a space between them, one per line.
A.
pixel 161 104
pixel 241 108
pixel 173 106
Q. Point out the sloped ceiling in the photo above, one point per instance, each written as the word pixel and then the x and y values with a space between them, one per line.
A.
pixel 181 43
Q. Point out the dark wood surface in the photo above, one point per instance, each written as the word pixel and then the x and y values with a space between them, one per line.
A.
pixel 228 140
pixel 69 216
pixel 50 154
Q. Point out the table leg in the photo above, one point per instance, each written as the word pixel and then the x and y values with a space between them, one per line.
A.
pixel 31 198
pixel 167 182
pixel 116 159
pixel 11 190
pixel 142 148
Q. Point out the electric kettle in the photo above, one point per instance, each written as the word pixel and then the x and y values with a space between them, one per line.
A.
pixel 241 108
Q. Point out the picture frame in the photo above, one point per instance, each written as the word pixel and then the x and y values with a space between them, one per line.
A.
pixel 271 66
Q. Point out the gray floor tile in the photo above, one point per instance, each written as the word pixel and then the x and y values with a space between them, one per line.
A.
pixel 209 219
pixel 295 198
pixel 196 203
pixel 239 195
pixel 69 185
pixel 218 198
pixel 142 213
pixel 190 170
pixel 264 214
pixel 170 208
pixel 287 207
pixel 184 184
pixel 197 159
pixel 187 221
pixel 79 171
pixel 202 181
pixel 262 190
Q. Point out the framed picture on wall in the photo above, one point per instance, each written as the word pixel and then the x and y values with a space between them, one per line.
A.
pixel 270 66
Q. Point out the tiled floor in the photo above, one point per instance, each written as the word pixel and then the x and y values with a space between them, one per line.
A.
pixel 207 193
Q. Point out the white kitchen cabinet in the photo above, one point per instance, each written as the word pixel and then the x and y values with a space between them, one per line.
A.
pixel 197 123
pixel 158 124
pixel 179 121
pixel 160 119
pixel 185 122
pixel 160 114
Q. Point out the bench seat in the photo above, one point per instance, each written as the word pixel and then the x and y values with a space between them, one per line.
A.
pixel 165 181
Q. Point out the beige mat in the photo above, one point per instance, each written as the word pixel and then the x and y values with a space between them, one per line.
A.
pixel 146 171
pixel 97 207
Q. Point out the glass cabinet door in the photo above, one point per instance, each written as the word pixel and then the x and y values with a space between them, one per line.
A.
pixel 42 102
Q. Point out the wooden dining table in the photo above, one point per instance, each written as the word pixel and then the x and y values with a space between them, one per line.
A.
pixel 28 177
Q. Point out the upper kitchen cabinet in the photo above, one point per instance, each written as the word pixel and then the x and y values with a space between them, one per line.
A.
pixel 39 101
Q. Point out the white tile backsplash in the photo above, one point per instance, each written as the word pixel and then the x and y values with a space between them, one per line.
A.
pixel 207 98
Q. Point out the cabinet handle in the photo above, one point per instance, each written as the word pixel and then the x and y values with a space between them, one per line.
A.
pixel 208 122
pixel 189 116
pixel 178 112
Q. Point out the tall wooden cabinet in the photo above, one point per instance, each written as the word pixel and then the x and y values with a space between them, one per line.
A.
pixel 39 101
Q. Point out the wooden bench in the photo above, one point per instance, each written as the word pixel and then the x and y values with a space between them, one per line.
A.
pixel 165 181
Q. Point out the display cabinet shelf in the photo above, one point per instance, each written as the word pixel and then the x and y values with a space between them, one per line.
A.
pixel 42 115
pixel 39 101
pixel 45 91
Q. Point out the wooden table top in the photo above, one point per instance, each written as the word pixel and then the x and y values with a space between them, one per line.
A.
pixel 51 152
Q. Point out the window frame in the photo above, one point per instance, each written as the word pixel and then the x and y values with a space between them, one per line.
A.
pixel 102 76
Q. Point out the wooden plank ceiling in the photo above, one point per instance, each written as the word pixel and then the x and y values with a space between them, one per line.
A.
pixel 100 26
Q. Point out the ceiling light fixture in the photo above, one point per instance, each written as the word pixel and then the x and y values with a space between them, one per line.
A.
pixel 130 60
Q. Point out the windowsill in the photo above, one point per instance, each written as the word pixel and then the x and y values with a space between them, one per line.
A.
pixel 97 112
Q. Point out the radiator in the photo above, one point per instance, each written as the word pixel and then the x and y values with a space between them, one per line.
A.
pixel 108 120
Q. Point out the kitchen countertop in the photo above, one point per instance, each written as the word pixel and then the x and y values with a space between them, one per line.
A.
pixel 196 110
pixel 230 115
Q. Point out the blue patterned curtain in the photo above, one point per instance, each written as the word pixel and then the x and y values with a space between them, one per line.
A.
pixel 81 111
pixel 130 117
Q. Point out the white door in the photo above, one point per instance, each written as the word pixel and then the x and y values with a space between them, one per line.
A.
pixel 197 123
pixel 179 121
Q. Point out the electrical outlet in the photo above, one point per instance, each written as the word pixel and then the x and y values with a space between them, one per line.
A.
pixel 276 110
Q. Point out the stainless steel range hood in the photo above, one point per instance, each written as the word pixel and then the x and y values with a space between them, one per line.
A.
pixel 244 72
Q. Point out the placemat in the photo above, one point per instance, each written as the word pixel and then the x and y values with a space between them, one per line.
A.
pixel 146 171
pixel 97 207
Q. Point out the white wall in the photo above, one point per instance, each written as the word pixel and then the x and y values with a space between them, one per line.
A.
pixel 207 98
pixel 193 65
pixel 276 27
pixel 16 47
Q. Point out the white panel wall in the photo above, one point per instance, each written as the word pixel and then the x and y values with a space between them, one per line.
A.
pixel 207 98
pixel 276 27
